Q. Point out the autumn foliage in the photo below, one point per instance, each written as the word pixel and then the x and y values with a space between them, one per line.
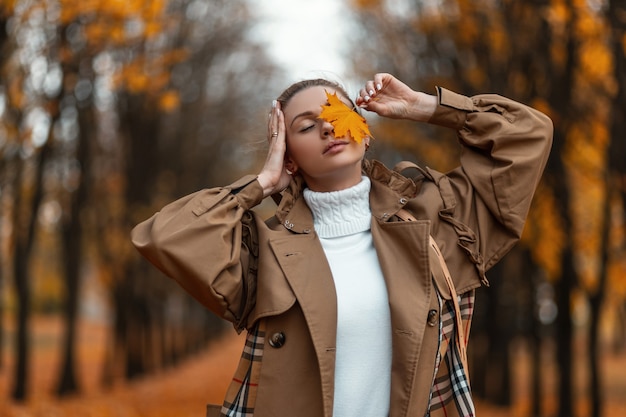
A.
pixel 108 109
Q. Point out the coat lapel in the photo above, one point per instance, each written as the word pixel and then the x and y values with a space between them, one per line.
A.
pixel 402 249
pixel 304 264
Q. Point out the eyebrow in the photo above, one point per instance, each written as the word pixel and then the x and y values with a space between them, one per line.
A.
pixel 305 113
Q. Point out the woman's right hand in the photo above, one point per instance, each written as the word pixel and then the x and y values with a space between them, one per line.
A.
pixel 274 177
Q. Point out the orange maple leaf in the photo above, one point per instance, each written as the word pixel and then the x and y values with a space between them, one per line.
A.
pixel 344 119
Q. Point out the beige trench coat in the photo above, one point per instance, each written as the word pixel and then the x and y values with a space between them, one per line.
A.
pixel 245 268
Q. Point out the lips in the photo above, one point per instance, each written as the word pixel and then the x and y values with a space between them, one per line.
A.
pixel 333 144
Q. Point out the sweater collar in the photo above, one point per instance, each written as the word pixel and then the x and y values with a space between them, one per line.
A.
pixel 341 213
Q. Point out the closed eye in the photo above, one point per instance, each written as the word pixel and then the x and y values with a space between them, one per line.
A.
pixel 307 128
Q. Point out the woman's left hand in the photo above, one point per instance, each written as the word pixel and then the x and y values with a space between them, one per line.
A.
pixel 387 96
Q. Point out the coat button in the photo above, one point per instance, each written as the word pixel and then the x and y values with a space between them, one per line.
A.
pixel 277 340
pixel 432 318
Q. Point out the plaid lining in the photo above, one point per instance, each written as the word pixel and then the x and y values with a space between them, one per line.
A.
pixel 451 381
pixel 241 391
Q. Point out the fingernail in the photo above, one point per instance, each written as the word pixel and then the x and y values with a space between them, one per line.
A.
pixel 273 104
pixel 379 87
pixel 366 98
pixel 371 92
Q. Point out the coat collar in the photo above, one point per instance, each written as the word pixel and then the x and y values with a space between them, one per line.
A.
pixel 390 192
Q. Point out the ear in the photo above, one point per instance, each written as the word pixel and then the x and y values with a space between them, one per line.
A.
pixel 366 141
pixel 290 164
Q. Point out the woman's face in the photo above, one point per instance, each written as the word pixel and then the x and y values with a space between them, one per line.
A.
pixel 327 163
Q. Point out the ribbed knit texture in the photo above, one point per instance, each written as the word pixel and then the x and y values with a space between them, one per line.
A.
pixel 363 358
pixel 341 213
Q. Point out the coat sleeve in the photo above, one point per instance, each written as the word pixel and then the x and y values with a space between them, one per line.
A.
pixel 505 147
pixel 206 242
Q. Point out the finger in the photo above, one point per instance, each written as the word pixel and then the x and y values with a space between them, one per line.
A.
pixel 277 138
pixel 272 125
pixel 360 98
pixel 279 129
pixel 364 95
pixel 280 120
pixel 380 81
pixel 370 88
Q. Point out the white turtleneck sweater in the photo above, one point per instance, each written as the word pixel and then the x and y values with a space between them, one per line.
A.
pixel 342 220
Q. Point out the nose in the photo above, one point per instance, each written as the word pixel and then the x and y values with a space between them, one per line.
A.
pixel 327 129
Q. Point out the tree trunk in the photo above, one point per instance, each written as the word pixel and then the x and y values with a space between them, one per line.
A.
pixel 567 280
pixel 139 125
pixel 617 17
pixel 595 376
pixel 116 354
pixel 22 346
pixel 564 335
pixel 24 239
pixel 562 80
pixel 2 263
pixel 72 239
pixel 536 386
pixel 498 368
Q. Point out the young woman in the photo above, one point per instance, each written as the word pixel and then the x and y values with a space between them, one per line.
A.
pixel 339 292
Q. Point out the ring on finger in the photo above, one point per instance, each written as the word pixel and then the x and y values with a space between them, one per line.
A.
pixel 274 134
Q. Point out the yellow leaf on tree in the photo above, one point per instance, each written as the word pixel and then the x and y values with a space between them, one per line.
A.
pixel 169 101
pixel 346 121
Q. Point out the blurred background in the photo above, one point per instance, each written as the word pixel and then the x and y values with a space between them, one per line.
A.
pixel 111 108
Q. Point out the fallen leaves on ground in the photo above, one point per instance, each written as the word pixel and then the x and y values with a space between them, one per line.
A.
pixel 183 391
